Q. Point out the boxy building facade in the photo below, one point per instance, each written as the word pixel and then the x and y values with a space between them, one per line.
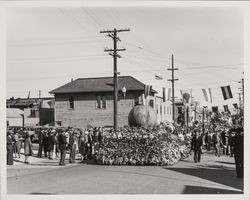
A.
pixel 89 101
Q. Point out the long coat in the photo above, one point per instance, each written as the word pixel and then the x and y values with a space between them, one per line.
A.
pixel 9 146
pixel 51 142
pixel 27 146
pixel 62 141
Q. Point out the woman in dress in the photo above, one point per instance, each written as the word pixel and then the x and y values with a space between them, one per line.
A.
pixel 17 144
pixel 51 143
pixel 82 146
pixel 27 147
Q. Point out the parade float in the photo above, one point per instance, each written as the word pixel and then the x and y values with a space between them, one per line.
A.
pixel 143 142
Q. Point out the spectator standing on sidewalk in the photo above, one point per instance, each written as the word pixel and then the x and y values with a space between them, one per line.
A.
pixel 57 143
pixel 208 139
pixel 41 142
pixel 217 142
pixel 45 143
pixel 9 145
pixel 72 146
pixel 17 143
pixel 82 147
pixel 27 146
pixel 62 146
pixel 51 143
pixel 239 152
pixel 197 142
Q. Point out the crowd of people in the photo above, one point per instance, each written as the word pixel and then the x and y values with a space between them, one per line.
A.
pixel 224 135
pixel 53 143
pixel 127 146
pixel 161 145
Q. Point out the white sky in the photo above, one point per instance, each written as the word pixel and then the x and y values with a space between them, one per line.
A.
pixel 46 47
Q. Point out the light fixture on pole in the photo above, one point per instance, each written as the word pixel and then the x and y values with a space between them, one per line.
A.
pixel 124 90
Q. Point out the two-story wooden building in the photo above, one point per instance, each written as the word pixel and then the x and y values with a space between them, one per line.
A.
pixel 89 101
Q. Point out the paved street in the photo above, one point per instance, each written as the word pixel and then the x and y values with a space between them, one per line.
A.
pixel 213 175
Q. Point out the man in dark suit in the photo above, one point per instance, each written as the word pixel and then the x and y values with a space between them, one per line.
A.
pixel 197 142
pixel 238 143
pixel 62 146
pixel 40 140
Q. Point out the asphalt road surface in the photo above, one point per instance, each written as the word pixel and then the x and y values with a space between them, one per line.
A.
pixel 212 176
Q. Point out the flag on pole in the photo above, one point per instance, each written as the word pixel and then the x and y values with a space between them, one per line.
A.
pixel 227 93
pixel 164 94
pixel 169 94
pixel 147 90
pixel 207 94
pixel 226 108
pixel 158 77
pixel 235 105
pixel 215 109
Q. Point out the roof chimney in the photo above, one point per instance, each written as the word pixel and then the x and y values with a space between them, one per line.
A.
pixel 72 79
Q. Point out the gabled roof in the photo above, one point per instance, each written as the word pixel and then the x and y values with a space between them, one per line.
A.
pixel 100 84
pixel 25 102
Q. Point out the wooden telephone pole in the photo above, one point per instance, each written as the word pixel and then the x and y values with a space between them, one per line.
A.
pixel 173 80
pixel 113 52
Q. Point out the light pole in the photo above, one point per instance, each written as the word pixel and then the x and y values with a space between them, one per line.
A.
pixel 124 90
pixel 203 119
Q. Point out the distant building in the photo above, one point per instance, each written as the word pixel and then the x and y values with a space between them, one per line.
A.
pixel 89 101
pixel 36 111
pixel 15 117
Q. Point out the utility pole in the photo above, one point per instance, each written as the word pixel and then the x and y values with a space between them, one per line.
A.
pixel 173 80
pixel 40 94
pixel 113 52
pixel 203 119
pixel 242 82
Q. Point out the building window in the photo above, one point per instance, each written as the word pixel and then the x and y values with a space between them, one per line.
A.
pixel 151 103
pixel 157 110
pixel 101 102
pixel 71 102
pixel 34 113
pixel 136 100
pixel 161 109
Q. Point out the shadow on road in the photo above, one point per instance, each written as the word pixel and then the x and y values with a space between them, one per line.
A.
pixel 227 163
pixel 213 173
pixel 205 190
pixel 41 193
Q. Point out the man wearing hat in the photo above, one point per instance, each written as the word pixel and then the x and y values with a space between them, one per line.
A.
pixel 238 142
pixel 9 146
pixel 217 141
pixel 62 146
pixel 41 142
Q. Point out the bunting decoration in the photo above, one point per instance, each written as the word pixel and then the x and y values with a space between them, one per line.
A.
pixel 226 108
pixel 227 93
pixel 164 94
pixel 169 94
pixel 235 105
pixel 147 90
pixel 215 109
pixel 207 94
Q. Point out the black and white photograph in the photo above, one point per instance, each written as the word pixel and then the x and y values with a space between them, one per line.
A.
pixel 125 100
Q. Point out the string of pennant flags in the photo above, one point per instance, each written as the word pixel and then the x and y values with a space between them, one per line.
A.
pixel 187 95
